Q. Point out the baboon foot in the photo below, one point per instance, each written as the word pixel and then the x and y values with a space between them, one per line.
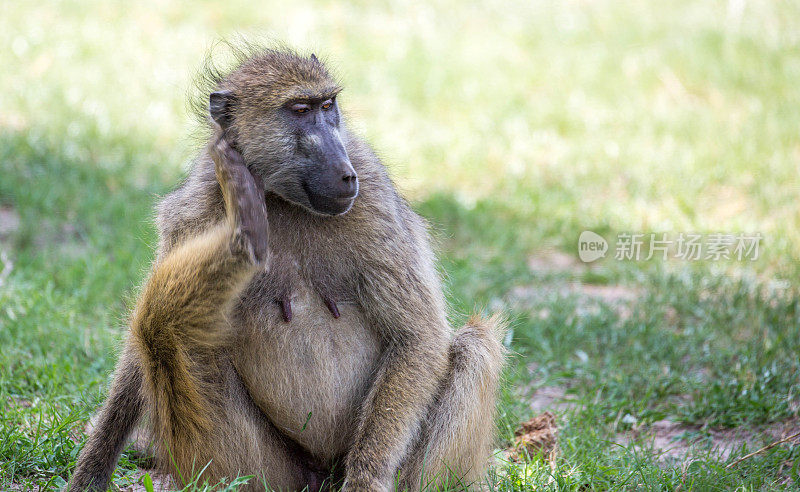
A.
pixel 244 201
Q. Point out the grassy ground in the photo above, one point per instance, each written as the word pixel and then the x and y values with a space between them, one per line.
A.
pixel 513 126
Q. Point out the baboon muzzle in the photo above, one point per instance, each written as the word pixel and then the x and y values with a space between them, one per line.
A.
pixel 333 184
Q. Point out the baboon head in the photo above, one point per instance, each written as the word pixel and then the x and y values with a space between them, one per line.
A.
pixel 279 110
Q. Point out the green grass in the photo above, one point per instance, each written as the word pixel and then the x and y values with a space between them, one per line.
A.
pixel 512 126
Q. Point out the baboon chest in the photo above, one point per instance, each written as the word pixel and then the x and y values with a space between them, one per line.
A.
pixel 308 375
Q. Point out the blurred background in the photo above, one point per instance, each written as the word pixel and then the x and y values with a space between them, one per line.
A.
pixel 512 126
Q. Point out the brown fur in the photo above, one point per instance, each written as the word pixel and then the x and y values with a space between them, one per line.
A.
pixel 388 392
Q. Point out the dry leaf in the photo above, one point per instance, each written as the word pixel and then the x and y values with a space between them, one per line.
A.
pixel 538 435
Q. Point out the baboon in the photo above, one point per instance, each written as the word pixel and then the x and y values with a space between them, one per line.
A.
pixel 293 326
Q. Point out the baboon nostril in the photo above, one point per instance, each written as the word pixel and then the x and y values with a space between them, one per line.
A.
pixel 349 184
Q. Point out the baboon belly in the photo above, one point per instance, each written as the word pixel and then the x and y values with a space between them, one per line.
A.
pixel 309 376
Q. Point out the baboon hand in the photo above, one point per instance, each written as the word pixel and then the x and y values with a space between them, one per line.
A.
pixel 244 199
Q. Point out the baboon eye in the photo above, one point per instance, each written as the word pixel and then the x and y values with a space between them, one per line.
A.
pixel 301 108
pixel 327 104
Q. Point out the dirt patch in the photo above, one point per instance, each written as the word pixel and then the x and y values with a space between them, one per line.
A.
pixel 552 261
pixel 161 482
pixel 19 402
pixel 611 294
pixel 673 441
pixel 9 225
pixel 607 293
pixel 589 297
pixel 9 222
pixel 549 398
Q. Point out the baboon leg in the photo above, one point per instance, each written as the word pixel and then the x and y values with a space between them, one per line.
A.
pixel 456 439
pixel 178 318
pixel 242 441
pixel 203 418
pixel 112 427
pixel 177 314
pixel 178 332
pixel 140 442
pixel 201 415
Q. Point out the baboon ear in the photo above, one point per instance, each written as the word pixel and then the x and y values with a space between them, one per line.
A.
pixel 314 57
pixel 220 104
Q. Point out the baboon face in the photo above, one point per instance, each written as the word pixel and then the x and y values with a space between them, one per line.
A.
pixel 327 178
pixel 289 134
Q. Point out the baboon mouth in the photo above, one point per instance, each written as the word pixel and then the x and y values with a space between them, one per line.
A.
pixel 329 205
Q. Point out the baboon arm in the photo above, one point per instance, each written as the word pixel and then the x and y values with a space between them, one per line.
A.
pixel 407 311
pixel 391 417
pixel 116 420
